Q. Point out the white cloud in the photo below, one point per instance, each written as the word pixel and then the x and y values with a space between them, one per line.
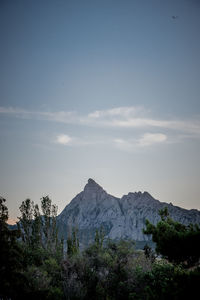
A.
pixel 149 139
pixel 63 139
pixel 124 111
pixel 138 118
pixel 118 117
pixel 67 117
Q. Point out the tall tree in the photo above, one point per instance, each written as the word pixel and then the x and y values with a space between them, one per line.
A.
pixel 10 256
pixel 73 242
pixel 176 242
pixel 36 227
pixel 26 220
pixel 40 230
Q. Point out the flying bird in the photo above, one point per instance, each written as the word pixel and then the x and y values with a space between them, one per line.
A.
pixel 174 17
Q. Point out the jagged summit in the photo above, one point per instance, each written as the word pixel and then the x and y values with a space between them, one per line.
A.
pixel 91 181
pixel 92 186
pixel 120 217
pixel 139 196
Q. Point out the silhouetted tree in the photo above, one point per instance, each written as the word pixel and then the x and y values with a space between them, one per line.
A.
pixel 10 257
pixel 176 242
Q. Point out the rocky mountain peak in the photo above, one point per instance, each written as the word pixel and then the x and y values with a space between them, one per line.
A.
pixel 120 217
pixel 92 186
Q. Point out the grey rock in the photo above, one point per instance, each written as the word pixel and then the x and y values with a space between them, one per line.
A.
pixel 120 218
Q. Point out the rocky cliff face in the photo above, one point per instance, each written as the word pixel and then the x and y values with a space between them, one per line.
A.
pixel 120 218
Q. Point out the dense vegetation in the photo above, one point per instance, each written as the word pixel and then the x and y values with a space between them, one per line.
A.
pixel 176 242
pixel 34 264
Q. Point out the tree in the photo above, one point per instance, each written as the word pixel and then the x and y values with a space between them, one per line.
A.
pixel 174 241
pixel 49 226
pixel 36 228
pixel 10 256
pixel 42 250
pixel 73 242
pixel 107 272
pixel 30 267
pixel 99 237
pixel 40 231
pixel 26 221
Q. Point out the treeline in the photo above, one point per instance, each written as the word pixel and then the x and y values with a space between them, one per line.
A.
pixel 31 256
pixel 35 265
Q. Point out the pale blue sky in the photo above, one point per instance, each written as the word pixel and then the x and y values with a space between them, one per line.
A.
pixel 102 89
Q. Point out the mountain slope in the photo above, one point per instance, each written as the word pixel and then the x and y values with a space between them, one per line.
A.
pixel 120 218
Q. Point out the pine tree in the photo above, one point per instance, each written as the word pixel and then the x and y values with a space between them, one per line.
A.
pixel 174 241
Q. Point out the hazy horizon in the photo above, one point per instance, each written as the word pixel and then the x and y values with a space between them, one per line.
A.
pixel 105 89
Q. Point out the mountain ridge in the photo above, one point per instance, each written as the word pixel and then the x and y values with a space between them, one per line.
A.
pixel 120 217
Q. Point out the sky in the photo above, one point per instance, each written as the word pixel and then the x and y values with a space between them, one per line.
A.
pixel 99 89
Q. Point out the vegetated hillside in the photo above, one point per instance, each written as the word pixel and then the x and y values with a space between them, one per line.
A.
pixel 120 218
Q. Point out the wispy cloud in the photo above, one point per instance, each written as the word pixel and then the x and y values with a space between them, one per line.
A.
pixel 68 117
pixel 119 117
pixel 187 126
pixel 138 117
pixel 146 140
pixel 76 141
pixel 147 131
pixel 149 139
pixel 129 144
pixel 124 111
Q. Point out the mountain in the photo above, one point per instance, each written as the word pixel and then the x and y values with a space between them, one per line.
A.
pixel 120 218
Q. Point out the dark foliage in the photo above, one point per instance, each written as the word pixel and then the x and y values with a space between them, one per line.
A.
pixel 11 262
pixel 174 241
pixel 32 264
pixel 31 256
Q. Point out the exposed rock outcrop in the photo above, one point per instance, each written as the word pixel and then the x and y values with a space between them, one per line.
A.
pixel 120 218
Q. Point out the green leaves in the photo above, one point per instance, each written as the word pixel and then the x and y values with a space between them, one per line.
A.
pixel 106 272
pixel 73 243
pixel 175 241
pixel 40 231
